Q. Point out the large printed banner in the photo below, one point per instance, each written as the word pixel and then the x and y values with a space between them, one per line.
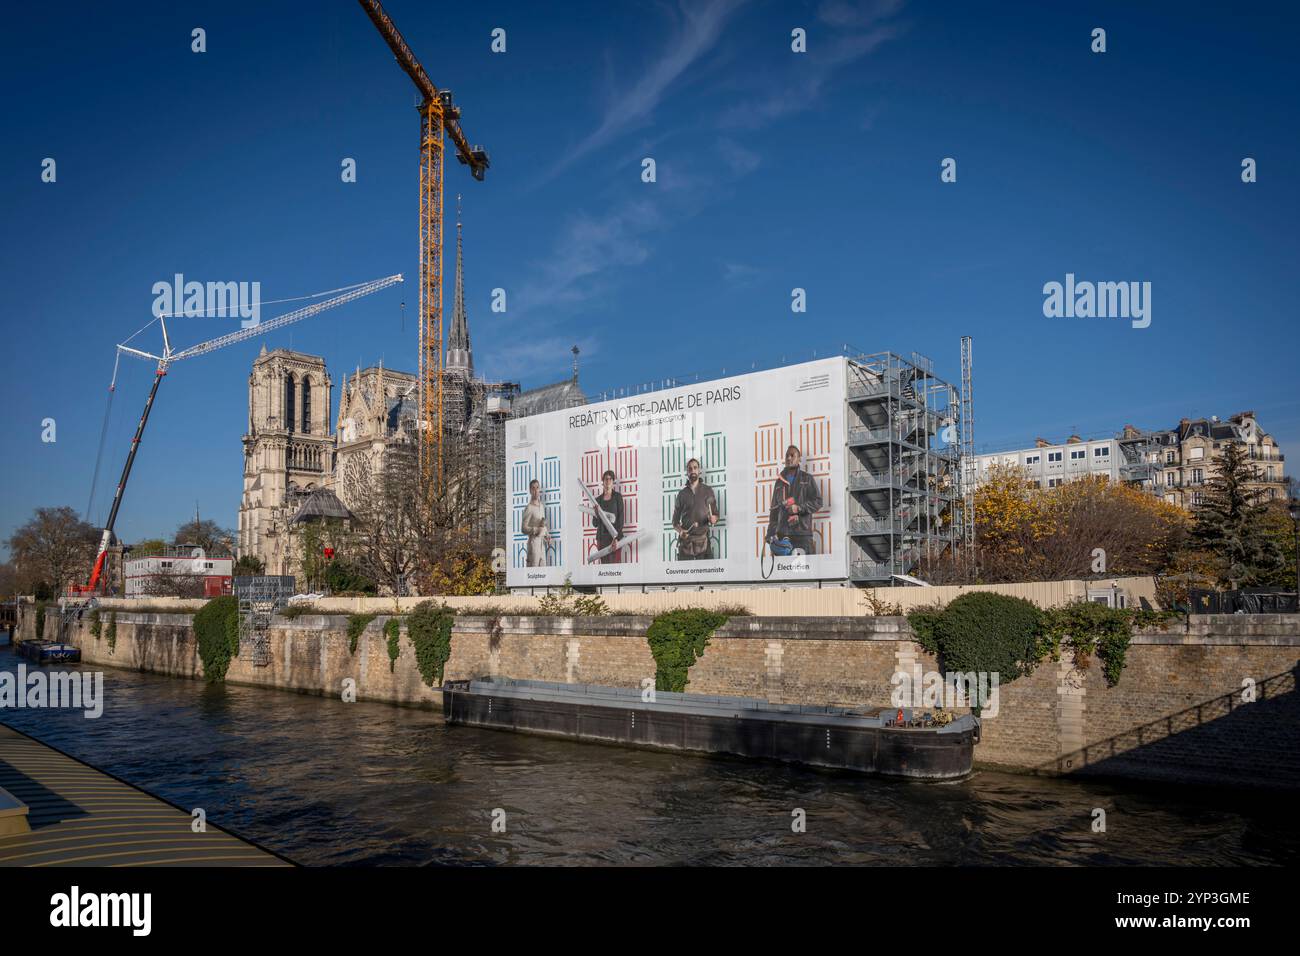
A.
pixel 735 480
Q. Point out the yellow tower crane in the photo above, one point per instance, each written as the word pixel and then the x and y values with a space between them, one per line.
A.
pixel 439 116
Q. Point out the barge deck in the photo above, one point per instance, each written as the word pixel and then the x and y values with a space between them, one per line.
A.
pixel 870 740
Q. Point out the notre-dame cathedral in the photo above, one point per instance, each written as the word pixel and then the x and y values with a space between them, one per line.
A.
pixel 296 469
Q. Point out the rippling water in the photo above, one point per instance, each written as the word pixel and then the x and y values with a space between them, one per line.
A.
pixel 323 782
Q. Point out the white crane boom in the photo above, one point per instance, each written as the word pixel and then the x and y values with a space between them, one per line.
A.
pixel 166 359
pixel 279 322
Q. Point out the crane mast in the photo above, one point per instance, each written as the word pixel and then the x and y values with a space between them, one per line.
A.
pixel 439 118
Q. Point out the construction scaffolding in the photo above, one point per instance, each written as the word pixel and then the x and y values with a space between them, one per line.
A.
pixel 904 432
pixel 259 597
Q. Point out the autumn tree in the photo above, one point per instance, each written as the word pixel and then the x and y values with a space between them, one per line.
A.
pixel 53 548
pixel 1079 529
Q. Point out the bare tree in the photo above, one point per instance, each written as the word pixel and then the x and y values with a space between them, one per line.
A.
pixel 207 534
pixel 388 515
pixel 52 548
pixel 399 533
pixel 173 585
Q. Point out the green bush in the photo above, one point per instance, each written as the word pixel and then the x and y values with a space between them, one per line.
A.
pixel 216 625
pixel 344 577
pixel 429 628
pixel 393 631
pixel 988 633
pixel 112 632
pixel 356 624
pixel 677 640
pixel 95 627
pixel 40 620
pixel 924 621
pixel 994 633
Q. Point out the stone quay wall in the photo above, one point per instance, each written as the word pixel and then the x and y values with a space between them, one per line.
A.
pixel 1210 701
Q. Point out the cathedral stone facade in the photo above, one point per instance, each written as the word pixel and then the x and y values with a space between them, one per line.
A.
pixel 288 451
pixel 297 470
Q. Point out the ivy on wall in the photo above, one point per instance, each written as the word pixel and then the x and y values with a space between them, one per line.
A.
pixel 357 623
pixel 112 632
pixel 677 640
pixel 429 628
pixel 393 631
pixel 216 625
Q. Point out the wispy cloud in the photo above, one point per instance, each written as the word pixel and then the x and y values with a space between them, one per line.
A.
pixel 532 360
pixel 739 160
pixel 699 29
pixel 849 32
pixel 586 247
pixel 739 273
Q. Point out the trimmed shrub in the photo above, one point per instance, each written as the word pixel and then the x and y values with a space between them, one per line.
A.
pixel 393 631
pixel 925 621
pixel 677 640
pixel 216 625
pixel 429 628
pixel 989 633
pixel 356 624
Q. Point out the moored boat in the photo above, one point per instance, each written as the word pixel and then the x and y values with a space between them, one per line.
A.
pixel 894 742
pixel 49 652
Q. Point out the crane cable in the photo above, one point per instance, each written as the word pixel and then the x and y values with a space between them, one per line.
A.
pixel 103 431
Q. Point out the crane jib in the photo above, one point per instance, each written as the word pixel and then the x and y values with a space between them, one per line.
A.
pixel 168 357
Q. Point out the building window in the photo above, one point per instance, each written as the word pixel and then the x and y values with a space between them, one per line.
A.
pixel 306 404
pixel 1053 482
pixel 1078 455
pixel 1102 452
pixel 289 384
pixel 1031 459
pixel 1169 458
pixel 1196 497
pixel 1169 479
pixel 1195 454
pixel 1198 475
pixel 1053 456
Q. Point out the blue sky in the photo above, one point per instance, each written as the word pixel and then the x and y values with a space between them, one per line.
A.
pixel 775 170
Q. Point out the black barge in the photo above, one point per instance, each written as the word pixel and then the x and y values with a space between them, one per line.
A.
pixel 872 740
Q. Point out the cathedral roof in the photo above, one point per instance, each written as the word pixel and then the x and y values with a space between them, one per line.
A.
pixel 548 398
pixel 321 503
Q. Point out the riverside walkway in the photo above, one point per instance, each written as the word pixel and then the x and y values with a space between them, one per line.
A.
pixel 79 816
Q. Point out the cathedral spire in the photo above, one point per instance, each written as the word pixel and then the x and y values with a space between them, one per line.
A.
pixel 460 357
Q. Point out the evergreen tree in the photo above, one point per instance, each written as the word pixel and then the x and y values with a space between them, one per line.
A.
pixel 1231 523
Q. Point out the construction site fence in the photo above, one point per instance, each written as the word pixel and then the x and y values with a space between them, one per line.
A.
pixel 768 601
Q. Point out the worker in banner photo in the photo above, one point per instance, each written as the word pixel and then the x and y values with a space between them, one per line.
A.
pixel 609 527
pixel 533 524
pixel 795 499
pixel 695 512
